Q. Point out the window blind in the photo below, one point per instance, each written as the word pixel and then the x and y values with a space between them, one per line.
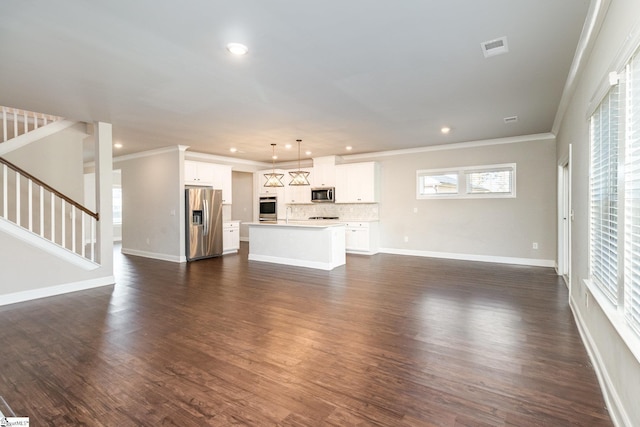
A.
pixel 632 197
pixel 604 194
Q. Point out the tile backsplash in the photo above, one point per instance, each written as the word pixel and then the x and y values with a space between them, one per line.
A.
pixel 346 212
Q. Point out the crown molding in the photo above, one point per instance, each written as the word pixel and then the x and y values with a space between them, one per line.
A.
pixel 461 145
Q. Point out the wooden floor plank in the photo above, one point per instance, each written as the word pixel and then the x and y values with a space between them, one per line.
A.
pixel 385 340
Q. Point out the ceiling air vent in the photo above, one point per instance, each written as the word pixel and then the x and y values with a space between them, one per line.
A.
pixel 495 47
pixel 511 119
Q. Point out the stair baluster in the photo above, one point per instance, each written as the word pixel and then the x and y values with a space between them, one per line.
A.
pixel 63 210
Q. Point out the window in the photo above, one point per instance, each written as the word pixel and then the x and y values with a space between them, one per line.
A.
pixel 604 195
pixel 117 205
pixel 496 181
pixel 615 195
pixel 475 182
pixel 445 183
pixel 632 197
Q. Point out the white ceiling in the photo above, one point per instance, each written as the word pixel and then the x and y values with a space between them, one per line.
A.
pixel 376 75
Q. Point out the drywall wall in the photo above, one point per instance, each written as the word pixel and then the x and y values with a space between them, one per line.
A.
pixel 242 207
pixel 153 203
pixel 618 367
pixel 500 229
pixel 31 271
pixel 46 158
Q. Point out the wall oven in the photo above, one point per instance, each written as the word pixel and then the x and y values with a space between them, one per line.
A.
pixel 268 208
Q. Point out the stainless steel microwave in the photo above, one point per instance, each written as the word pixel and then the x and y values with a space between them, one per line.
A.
pixel 323 195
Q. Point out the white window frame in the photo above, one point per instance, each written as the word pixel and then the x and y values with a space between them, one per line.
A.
pixel 433 172
pixel 615 304
pixel 464 191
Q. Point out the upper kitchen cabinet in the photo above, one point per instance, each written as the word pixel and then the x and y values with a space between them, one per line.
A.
pixel 296 194
pixel 324 172
pixel 210 175
pixel 222 180
pixel 261 180
pixel 357 182
pixel 198 173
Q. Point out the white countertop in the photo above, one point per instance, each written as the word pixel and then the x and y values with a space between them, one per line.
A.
pixel 296 223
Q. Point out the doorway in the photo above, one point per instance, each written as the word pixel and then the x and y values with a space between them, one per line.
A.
pixel 565 215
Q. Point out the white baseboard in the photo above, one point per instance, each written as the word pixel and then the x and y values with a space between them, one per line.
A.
pixel 471 257
pixel 616 410
pixel 55 290
pixel 154 255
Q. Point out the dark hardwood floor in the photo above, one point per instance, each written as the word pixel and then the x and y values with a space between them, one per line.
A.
pixel 385 340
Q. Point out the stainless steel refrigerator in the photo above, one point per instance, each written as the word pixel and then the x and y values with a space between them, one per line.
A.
pixel 204 222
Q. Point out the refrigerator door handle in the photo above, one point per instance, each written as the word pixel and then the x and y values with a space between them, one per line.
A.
pixel 206 217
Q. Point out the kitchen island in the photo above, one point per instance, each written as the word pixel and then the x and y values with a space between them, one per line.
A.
pixel 313 244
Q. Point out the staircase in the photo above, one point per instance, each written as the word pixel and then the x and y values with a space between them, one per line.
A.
pixel 32 210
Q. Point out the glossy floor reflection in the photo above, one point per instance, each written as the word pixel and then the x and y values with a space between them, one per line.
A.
pixel 385 340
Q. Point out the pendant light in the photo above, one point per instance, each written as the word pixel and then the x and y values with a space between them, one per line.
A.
pixel 273 179
pixel 299 177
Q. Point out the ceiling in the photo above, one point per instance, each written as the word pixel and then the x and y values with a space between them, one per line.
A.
pixel 376 76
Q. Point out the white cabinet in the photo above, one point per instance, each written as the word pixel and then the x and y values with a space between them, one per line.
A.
pixel 198 173
pixel 323 176
pixel 357 182
pixel 361 237
pixel 222 180
pixel 279 192
pixel 324 172
pixel 211 175
pixel 230 236
pixel 296 194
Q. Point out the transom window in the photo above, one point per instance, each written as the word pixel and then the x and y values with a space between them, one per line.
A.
pixel 467 182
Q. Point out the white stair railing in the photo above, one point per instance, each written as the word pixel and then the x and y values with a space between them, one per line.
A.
pixel 18 122
pixel 56 218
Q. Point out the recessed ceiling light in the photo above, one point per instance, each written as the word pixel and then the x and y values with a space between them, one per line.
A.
pixel 445 130
pixel 349 148
pixel 117 145
pixel 288 146
pixel 233 149
pixel 308 153
pixel 237 48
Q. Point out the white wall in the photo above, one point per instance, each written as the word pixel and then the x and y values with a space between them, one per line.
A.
pixel 242 207
pixel 47 158
pixel 153 204
pixel 619 369
pixel 496 229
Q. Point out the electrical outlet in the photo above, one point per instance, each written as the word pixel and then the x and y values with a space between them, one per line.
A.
pixel 406 239
pixel 415 210
pixel 535 245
